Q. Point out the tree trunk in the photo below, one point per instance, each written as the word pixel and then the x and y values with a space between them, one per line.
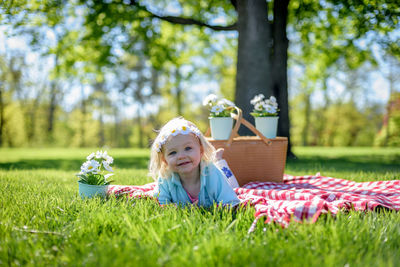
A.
pixel 154 81
pixel 279 70
pixel 307 115
pixel 178 97
pixel 2 122
pixel 139 122
pixel 32 116
pixel 101 130
pixel 118 131
pixel 53 101
pixel 140 98
pixel 254 72
pixel 82 142
pixel 253 61
pixel 52 109
pixel 391 80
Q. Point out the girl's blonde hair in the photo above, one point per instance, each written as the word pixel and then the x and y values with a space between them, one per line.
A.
pixel 157 167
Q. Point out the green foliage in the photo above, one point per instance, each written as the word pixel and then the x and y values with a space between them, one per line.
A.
pixel 93 179
pixel 335 36
pixel 341 124
pixel 263 114
pixel 97 39
pixel 14 130
pixel 389 133
pixel 219 107
pixel 222 114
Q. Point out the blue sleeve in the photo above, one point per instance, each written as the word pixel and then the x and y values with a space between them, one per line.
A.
pixel 162 192
pixel 224 192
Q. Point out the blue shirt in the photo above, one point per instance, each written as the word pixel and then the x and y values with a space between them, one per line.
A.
pixel 214 188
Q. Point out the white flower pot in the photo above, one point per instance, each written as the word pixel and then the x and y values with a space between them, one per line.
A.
pixel 268 126
pixel 221 127
pixel 89 191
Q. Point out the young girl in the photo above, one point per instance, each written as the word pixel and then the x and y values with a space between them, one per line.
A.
pixel 182 162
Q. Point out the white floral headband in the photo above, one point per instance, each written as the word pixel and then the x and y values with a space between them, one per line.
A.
pixel 174 127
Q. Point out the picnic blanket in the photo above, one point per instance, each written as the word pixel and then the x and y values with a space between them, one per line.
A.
pixel 301 198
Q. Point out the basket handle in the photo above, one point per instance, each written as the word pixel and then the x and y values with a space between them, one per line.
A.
pixel 240 120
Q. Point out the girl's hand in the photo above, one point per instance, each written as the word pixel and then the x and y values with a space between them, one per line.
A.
pixel 218 153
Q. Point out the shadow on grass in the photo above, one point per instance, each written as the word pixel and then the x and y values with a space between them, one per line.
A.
pixel 138 162
pixel 304 164
pixel 349 163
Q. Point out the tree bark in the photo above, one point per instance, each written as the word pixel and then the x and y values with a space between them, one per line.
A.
pixel 178 89
pixel 2 121
pixel 52 109
pixel 32 115
pixel 253 58
pixel 101 130
pixel 140 129
pixel 53 102
pixel 307 115
pixel 82 142
pixel 391 79
pixel 279 70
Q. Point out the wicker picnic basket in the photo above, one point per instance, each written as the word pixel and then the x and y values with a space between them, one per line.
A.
pixel 253 158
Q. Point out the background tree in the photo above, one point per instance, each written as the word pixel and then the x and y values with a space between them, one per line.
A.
pixel 327 34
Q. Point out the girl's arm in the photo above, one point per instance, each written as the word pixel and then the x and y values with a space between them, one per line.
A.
pixel 223 166
pixel 162 193
pixel 224 192
pixel 229 176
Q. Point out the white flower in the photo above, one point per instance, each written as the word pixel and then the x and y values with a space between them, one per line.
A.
pixel 91 156
pixel 210 99
pixel 185 129
pixel 269 109
pixel 108 159
pixel 107 167
pixel 83 171
pixel 84 168
pixel 157 147
pixel 95 167
pixel 91 166
pixel 226 102
pixel 257 99
pixel 269 106
pixel 272 101
pixel 196 131
pixel 217 109
pixel 99 154
pixel 259 106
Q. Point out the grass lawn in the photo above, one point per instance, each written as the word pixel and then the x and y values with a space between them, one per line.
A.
pixel 43 221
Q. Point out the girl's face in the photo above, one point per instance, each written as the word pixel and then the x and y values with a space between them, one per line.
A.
pixel 182 154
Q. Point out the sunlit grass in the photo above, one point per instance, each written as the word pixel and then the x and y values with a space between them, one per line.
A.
pixel 44 222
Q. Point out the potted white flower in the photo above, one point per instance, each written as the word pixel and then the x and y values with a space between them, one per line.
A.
pixel 221 122
pixel 94 174
pixel 265 114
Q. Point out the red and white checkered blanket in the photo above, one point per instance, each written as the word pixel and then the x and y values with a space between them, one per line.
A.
pixel 301 197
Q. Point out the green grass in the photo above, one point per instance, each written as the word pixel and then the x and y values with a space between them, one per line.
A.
pixel 43 222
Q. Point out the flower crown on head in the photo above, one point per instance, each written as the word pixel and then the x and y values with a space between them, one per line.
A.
pixel 174 127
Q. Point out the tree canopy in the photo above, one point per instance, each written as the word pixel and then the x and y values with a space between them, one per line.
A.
pixel 245 45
